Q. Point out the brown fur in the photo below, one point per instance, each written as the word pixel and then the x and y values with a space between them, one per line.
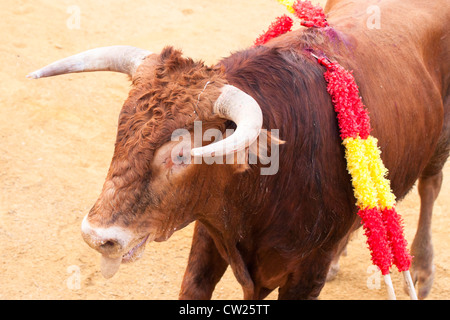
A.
pixel 163 98
pixel 288 241
pixel 282 230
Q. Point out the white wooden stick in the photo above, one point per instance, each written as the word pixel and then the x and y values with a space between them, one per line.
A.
pixel 409 285
pixel 390 287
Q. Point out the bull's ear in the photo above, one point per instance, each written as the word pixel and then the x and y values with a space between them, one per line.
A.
pixel 263 148
pixel 265 151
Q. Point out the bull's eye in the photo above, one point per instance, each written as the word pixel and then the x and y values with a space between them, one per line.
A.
pixel 174 157
pixel 180 159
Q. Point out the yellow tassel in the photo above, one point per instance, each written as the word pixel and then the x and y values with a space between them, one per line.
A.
pixel 288 4
pixel 378 173
pixel 358 167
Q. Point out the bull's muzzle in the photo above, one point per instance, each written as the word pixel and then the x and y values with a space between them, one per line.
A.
pixel 112 242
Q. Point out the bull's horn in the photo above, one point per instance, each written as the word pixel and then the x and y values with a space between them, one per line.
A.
pixel 124 59
pixel 235 105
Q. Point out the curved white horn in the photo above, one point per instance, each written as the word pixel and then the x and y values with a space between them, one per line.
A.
pixel 124 59
pixel 234 104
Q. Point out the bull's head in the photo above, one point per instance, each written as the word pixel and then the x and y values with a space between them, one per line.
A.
pixel 149 189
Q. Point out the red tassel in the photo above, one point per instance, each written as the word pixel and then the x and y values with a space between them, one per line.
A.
pixel 281 25
pixel 393 222
pixel 313 16
pixel 375 231
pixel 353 118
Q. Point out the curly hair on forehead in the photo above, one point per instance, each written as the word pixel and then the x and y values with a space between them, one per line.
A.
pixel 168 94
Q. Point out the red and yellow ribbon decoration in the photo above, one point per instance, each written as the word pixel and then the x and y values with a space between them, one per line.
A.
pixel 374 198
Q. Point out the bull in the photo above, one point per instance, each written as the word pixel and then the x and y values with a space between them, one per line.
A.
pixel 284 230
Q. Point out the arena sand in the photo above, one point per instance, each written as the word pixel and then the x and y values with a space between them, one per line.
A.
pixel 57 139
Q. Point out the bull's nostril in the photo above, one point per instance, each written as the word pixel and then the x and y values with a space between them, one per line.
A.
pixel 109 241
pixel 108 245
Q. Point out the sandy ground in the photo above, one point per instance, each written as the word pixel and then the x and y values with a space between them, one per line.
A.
pixel 57 138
